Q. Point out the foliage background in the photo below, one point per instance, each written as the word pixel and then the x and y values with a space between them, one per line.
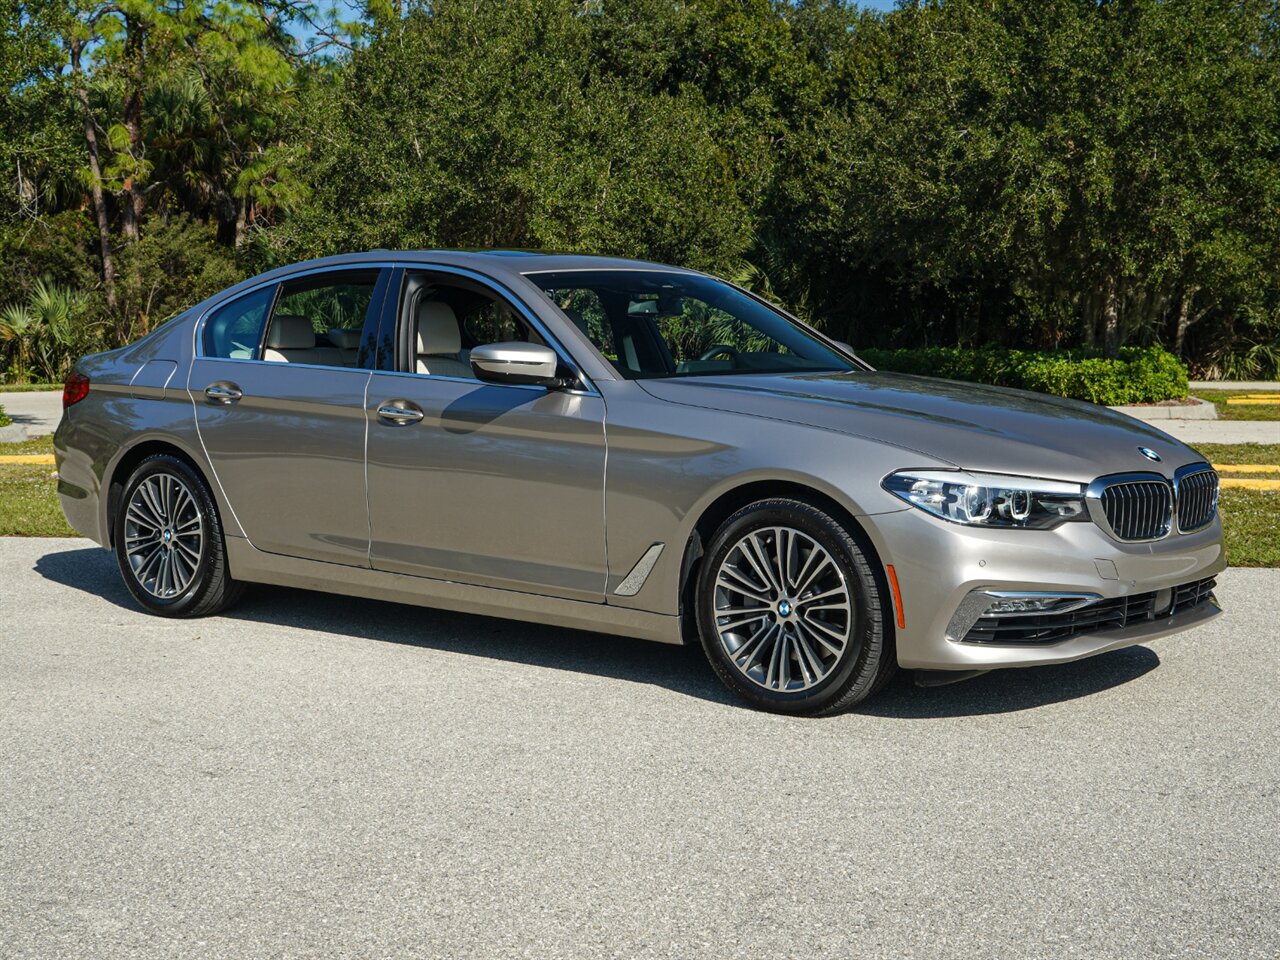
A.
pixel 1061 175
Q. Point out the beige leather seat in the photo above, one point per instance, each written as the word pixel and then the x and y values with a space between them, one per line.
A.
pixel 291 340
pixel 347 343
pixel 440 341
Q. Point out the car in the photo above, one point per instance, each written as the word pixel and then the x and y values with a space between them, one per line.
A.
pixel 631 448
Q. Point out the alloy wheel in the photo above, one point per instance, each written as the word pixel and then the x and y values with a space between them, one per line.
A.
pixel 783 609
pixel 164 535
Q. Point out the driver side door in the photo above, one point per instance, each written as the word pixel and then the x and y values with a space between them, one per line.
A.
pixel 497 485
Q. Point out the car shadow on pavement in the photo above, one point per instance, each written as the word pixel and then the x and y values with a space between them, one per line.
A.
pixel 1006 691
pixel 680 669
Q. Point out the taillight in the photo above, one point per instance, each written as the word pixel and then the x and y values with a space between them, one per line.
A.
pixel 74 389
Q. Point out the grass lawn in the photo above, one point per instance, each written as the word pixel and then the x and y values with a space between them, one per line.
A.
pixel 1250 518
pixel 29 502
pixel 1240 411
pixel 29 494
pixel 28 387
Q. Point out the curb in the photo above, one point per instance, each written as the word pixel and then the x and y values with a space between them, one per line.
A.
pixel 14 433
pixel 1201 410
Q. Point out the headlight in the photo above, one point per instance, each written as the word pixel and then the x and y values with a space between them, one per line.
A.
pixel 988 499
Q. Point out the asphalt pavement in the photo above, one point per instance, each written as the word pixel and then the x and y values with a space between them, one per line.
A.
pixel 38 411
pixel 313 776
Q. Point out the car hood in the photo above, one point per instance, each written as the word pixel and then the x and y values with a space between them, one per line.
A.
pixel 967 425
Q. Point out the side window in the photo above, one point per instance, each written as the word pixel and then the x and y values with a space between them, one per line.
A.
pixel 320 319
pixel 233 331
pixel 447 319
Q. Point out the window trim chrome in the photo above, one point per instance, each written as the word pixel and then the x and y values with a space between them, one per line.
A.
pixel 197 328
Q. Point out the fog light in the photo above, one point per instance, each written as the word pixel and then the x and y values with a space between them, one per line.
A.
pixel 1008 603
pixel 1022 605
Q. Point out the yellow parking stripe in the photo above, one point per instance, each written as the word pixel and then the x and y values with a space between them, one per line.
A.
pixel 1246 467
pixel 27 458
pixel 1243 484
pixel 1253 401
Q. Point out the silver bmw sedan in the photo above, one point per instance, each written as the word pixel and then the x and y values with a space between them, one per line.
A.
pixel 638 449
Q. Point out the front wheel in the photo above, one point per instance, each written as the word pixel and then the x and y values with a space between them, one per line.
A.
pixel 790 612
pixel 168 541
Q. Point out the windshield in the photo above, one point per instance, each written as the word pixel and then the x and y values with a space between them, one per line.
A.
pixel 650 323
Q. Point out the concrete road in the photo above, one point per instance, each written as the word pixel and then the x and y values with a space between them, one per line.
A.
pixel 312 776
pixel 39 411
pixel 1221 431
pixel 1269 385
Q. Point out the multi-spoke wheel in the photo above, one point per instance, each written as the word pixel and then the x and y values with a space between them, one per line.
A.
pixel 168 540
pixel 789 610
pixel 163 535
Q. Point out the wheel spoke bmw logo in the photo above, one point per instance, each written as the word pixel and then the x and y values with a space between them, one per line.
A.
pixel 1149 454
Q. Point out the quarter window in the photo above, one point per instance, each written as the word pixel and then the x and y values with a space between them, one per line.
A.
pixel 234 331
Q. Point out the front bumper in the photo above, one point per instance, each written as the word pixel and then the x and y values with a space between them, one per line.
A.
pixel 938 565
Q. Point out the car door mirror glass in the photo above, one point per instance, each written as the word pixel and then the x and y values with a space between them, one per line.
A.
pixel 515 362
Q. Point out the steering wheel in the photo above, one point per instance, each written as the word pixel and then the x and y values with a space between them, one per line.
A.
pixel 718 349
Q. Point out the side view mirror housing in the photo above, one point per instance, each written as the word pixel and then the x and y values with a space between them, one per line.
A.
pixel 516 362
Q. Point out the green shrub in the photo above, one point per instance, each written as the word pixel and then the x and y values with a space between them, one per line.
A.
pixel 1137 375
pixel 4 418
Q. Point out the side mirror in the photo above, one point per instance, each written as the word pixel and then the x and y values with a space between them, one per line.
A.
pixel 515 363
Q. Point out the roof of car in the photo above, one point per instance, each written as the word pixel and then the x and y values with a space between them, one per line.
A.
pixel 515 262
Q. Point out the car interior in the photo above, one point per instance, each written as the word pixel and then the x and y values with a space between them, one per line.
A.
pixel 320 320
pixel 449 319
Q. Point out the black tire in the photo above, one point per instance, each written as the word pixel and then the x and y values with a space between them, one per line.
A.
pixel 202 586
pixel 867 659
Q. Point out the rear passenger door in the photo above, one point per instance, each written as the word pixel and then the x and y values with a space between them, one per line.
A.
pixel 278 385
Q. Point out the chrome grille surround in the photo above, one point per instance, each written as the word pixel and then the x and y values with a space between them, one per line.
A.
pixel 1142 507
pixel 1132 507
pixel 1195 488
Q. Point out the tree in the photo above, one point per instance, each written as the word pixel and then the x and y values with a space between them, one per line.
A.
pixel 488 125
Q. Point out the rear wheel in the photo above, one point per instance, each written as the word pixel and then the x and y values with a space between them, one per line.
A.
pixel 790 612
pixel 168 541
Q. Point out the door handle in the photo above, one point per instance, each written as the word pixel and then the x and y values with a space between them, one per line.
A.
pixel 223 392
pixel 400 411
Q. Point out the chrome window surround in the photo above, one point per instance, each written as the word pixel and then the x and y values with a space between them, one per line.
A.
pixel 197 328
pixel 1093 499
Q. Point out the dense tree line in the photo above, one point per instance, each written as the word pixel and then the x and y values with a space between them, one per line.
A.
pixel 1043 174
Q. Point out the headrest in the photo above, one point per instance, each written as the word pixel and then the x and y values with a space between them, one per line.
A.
pixel 344 339
pixel 437 328
pixel 289 332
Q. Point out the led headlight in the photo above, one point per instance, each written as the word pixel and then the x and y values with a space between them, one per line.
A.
pixel 988 499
